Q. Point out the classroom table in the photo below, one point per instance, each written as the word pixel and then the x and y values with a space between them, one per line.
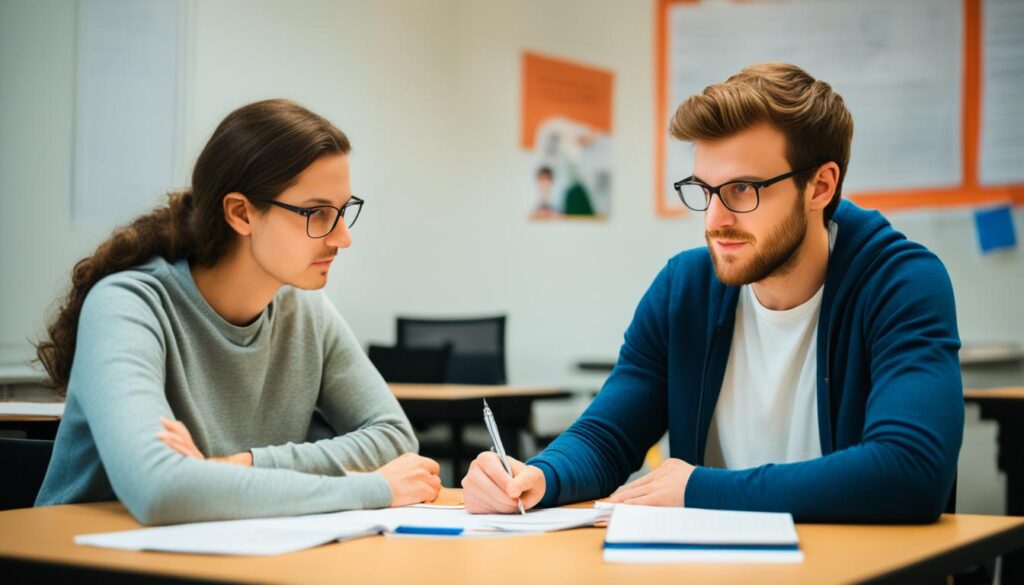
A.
pixel 37 544
pixel 454 404
pixel 36 420
pixel 1005 406
pixel 512 407
pixel 469 391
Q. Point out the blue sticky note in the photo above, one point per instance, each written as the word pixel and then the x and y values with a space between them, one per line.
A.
pixel 995 228
pixel 429 530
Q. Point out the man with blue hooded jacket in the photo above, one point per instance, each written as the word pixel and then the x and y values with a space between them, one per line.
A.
pixel 805 361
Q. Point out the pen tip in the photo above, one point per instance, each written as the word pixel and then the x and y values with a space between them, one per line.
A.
pixel 485 403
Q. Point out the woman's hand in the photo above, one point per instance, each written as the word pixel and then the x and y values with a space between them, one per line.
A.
pixel 412 479
pixel 177 437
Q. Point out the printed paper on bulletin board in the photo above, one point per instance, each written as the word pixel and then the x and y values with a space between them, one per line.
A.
pixel 566 123
pixel 910 73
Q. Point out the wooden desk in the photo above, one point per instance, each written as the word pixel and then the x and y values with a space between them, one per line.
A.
pixel 53 411
pixel 468 392
pixel 458 405
pixel 37 544
pixel 1006 407
pixel 27 418
pixel 454 404
pixel 19 410
pixel 39 420
pixel 990 394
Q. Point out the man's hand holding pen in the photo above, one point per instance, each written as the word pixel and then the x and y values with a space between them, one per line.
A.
pixel 488 488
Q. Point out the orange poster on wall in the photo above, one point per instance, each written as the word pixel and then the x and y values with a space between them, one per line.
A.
pixel 566 121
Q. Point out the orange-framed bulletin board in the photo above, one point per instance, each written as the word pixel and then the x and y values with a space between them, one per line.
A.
pixel 970 189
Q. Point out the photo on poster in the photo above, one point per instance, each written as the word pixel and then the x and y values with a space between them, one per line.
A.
pixel 566 124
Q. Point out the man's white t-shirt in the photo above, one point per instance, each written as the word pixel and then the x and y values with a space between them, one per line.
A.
pixel 767 410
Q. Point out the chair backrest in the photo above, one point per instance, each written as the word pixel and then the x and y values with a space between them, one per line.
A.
pixel 24 462
pixel 428 365
pixel 478 345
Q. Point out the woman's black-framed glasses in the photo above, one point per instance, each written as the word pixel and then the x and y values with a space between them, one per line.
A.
pixel 736 196
pixel 322 219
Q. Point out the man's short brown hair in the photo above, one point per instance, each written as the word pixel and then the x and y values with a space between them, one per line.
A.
pixel 814 119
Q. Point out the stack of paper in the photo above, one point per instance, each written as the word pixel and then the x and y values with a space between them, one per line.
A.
pixel 645 534
pixel 274 536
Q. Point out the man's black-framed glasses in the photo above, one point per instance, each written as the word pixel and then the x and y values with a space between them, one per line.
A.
pixel 736 196
pixel 322 219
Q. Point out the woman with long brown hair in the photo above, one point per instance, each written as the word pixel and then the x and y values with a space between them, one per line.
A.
pixel 194 346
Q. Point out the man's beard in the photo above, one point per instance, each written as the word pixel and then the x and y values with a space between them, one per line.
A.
pixel 778 254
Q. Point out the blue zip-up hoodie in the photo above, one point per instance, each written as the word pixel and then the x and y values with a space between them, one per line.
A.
pixel 889 393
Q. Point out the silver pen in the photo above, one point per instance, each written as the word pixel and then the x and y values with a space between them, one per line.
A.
pixel 492 428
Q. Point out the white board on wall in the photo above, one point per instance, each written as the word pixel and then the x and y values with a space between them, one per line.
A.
pixel 898 66
pixel 128 107
pixel 1002 107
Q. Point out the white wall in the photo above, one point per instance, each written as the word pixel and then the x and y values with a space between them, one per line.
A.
pixel 37 242
pixel 428 93
pixel 569 288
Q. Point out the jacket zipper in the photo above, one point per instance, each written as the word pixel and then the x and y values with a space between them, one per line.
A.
pixel 828 389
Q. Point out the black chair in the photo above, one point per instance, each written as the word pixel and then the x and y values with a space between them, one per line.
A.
pixel 477 345
pixel 25 462
pixel 411 365
pixel 477 356
pixel 395 364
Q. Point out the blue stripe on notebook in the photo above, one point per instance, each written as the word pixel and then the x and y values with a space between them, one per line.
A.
pixel 676 546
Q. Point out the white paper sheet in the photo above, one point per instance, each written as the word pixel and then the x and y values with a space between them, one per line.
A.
pixel 274 536
pixel 548 520
pixel 261 537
